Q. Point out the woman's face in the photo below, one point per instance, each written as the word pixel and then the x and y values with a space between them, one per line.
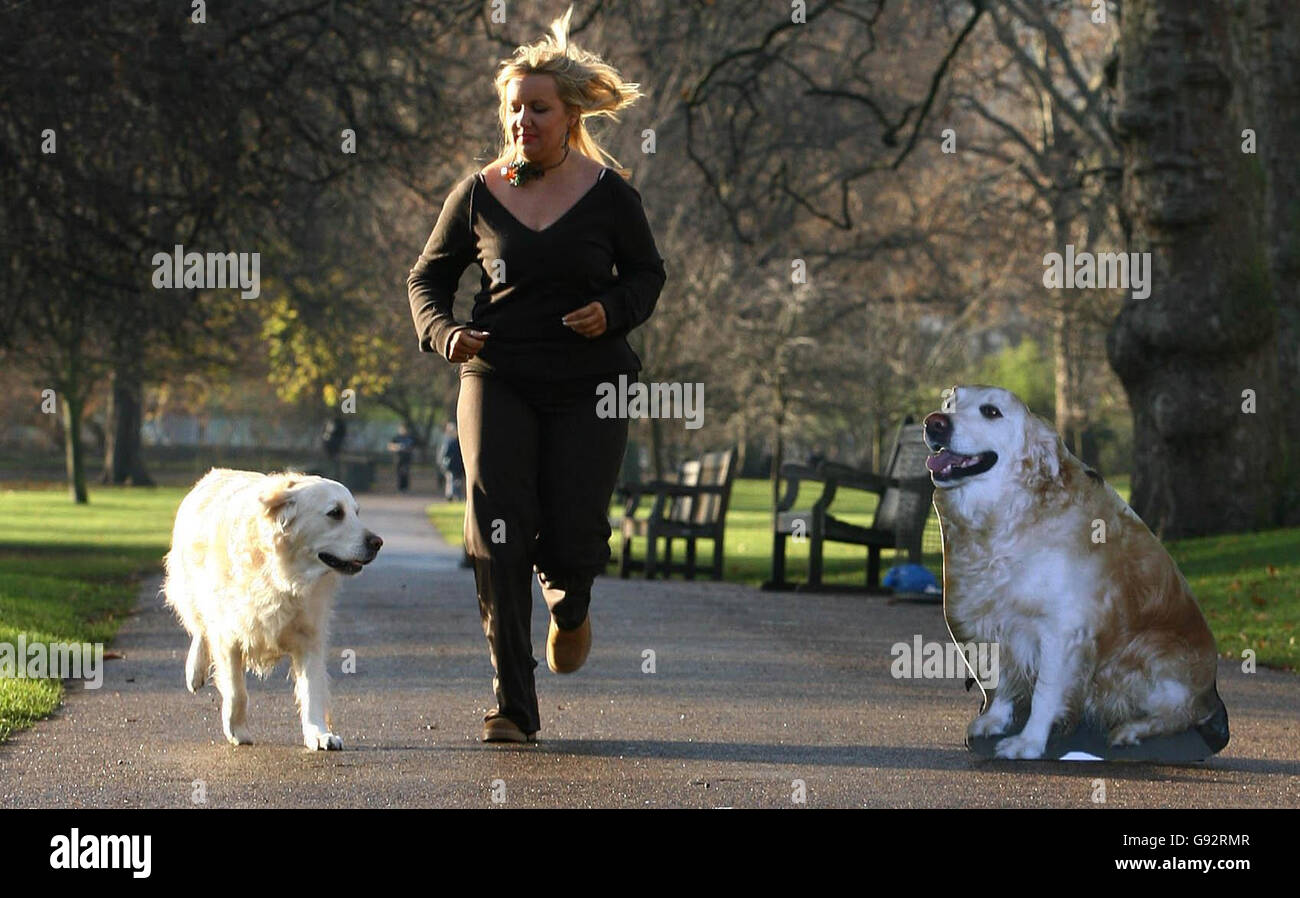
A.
pixel 538 120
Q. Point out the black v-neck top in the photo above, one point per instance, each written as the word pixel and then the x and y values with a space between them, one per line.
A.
pixel 530 279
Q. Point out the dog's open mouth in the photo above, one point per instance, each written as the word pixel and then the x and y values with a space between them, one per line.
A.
pixel 948 465
pixel 344 567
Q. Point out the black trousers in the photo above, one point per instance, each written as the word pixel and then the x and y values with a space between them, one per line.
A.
pixel 540 468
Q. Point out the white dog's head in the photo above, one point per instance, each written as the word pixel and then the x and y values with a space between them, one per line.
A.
pixel 315 522
pixel 985 441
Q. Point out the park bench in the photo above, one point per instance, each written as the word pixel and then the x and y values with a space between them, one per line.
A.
pixel 690 507
pixel 904 491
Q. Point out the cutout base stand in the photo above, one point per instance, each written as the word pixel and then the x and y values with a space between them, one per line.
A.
pixel 1089 743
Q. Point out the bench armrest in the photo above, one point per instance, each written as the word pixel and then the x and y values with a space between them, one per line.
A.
pixel 854 478
pixel 792 473
pixel 663 491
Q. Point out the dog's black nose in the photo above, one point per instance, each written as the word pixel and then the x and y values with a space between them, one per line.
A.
pixel 373 542
pixel 938 429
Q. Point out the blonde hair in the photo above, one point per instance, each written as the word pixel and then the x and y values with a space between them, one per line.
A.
pixel 583 81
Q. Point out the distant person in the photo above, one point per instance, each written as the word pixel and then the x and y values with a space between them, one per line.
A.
pixel 332 437
pixel 402 446
pixel 453 466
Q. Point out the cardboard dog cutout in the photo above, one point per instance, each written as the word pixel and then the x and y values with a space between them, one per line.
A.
pixel 1104 653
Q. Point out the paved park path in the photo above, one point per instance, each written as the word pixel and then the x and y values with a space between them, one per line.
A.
pixel 751 691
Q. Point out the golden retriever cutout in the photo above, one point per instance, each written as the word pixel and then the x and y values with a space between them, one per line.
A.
pixel 1092 618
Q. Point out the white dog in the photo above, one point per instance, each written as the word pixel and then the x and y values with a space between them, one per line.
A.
pixel 1042 557
pixel 252 572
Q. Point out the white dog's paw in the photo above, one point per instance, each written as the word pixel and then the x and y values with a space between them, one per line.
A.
pixel 320 740
pixel 238 736
pixel 1020 746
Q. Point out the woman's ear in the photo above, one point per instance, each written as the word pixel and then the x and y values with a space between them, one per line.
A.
pixel 1043 448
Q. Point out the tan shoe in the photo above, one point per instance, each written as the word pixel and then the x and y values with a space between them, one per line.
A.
pixel 566 650
pixel 503 729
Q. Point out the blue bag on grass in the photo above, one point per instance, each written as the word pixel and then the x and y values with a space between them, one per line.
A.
pixel 912 578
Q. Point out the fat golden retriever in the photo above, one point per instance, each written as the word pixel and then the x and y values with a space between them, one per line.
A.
pixel 254 564
pixel 1040 556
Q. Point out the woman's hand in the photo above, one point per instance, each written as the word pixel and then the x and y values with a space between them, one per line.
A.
pixel 588 321
pixel 465 344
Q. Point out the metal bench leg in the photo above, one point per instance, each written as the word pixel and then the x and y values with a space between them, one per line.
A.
pixel 718 547
pixel 815 558
pixel 651 544
pixel 690 558
pixel 873 567
pixel 778 559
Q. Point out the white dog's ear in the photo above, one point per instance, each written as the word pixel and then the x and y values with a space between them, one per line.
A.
pixel 1042 451
pixel 278 500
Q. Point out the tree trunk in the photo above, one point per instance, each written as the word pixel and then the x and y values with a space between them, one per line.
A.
pixel 123 461
pixel 1057 147
pixel 1063 361
pixel 1272 59
pixel 1206 333
pixel 72 454
pixel 742 445
pixel 657 448
pixel 422 428
pixel 878 443
pixel 778 456
pixel 1061 370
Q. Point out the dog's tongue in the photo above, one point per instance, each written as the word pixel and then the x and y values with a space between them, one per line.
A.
pixel 937 463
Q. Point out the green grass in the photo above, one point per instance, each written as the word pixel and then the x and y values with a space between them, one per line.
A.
pixel 1247 584
pixel 69 574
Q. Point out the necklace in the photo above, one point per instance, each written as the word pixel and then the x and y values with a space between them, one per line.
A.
pixel 521 171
